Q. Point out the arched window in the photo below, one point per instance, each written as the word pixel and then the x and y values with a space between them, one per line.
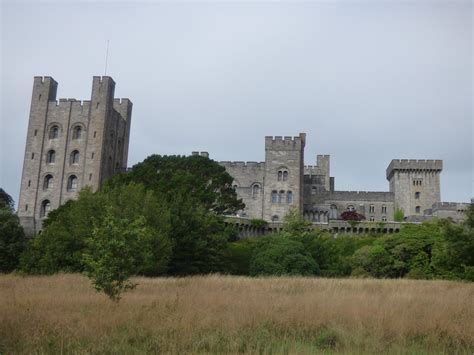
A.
pixel 313 190
pixel 72 183
pixel 281 196
pixel 384 219
pixel 274 196
pixel 50 157
pixel 54 132
pixel 45 207
pixel 255 191
pixel 384 209
pixel 275 218
pixel 77 132
pixel 417 195
pixel 280 175
pixel 350 208
pixel 417 209
pixel 289 197
pixel 371 209
pixel 285 175
pixel 74 159
pixel 48 182
pixel 333 212
pixel 372 219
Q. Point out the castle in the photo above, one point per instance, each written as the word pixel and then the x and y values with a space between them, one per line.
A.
pixel 72 144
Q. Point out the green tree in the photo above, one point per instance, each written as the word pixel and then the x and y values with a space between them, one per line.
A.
pixel 374 261
pixel 61 245
pixel 398 215
pixel 279 255
pixel 117 249
pixel 12 237
pixel 294 223
pixel 197 191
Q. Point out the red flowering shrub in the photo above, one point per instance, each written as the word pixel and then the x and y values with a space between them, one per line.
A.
pixel 352 216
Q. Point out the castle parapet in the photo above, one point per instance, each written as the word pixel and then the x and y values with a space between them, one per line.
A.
pixel 242 164
pixel 285 143
pixel 413 164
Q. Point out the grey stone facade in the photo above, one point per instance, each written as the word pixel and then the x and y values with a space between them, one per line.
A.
pixel 70 144
pixel 414 187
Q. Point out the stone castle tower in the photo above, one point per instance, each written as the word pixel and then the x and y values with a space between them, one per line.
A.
pixel 415 184
pixel 284 173
pixel 70 144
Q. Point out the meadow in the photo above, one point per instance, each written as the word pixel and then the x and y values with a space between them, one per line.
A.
pixel 229 314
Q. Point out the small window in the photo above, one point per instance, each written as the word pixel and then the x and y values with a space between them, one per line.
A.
pixel 32 155
pixel 285 175
pixel 95 134
pixel 281 196
pixel 54 132
pixel 48 182
pixel 77 132
pixel 26 207
pixel 51 157
pixel 274 196
pixel 90 177
pixel 72 183
pixel 313 190
pixel 384 209
pixel 372 209
pixel 45 208
pixel 290 197
pixel 29 183
pixel 275 218
pixel 74 159
pixel 417 195
pixel 255 191
pixel 372 218
pixel 350 208
pixel 92 156
pixel 384 218
pixel 417 209
pixel 280 175
pixel 36 132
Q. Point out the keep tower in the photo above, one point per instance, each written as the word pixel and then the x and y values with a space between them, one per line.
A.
pixel 415 184
pixel 284 173
pixel 70 144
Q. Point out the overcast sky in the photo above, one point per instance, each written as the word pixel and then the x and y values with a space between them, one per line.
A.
pixel 367 81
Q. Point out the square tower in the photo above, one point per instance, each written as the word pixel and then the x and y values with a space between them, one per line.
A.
pixel 70 144
pixel 284 173
pixel 415 184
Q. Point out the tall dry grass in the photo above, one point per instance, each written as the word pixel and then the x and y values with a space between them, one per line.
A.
pixel 221 314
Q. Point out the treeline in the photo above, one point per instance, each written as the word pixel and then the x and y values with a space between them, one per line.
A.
pixel 165 218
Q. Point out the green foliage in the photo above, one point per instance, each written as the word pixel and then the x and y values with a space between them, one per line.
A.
pixel 294 223
pixel 238 256
pixel 6 201
pixel 258 223
pixel 117 249
pixel 12 237
pixel 374 261
pixel 61 245
pixel 279 255
pixel 197 179
pixel 398 215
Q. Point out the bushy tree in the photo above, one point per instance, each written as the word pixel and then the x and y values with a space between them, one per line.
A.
pixel 118 249
pixel 374 261
pixel 12 237
pixel 279 255
pixel 61 245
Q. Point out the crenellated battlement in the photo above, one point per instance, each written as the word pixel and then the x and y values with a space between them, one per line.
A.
pixel 242 164
pixel 285 142
pixel 450 206
pixel 413 165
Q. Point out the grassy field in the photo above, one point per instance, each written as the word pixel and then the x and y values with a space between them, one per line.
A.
pixel 223 314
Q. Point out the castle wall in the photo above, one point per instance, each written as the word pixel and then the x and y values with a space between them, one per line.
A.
pixel 453 210
pixel 249 184
pixel 96 119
